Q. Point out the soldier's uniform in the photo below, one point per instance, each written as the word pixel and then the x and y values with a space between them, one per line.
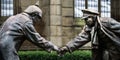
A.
pixel 16 30
pixel 104 35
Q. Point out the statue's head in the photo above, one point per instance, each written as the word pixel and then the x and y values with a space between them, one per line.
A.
pixel 90 16
pixel 34 11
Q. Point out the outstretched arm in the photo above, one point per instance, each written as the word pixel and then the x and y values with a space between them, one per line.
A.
pixel 35 38
pixel 77 42
pixel 80 40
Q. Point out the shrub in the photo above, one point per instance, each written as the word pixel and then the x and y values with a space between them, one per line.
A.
pixel 42 55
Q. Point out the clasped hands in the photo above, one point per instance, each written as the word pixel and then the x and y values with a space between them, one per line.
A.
pixel 61 51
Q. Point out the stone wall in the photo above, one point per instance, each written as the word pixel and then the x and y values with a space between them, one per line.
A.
pixel 67 20
pixel 61 21
pixel 58 22
pixel 55 22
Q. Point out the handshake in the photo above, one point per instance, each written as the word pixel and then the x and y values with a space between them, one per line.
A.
pixel 60 51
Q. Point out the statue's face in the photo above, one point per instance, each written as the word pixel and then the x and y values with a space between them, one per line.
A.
pixel 89 19
pixel 36 18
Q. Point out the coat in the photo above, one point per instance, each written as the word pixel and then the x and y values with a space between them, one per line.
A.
pixel 15 30
pixel 105 39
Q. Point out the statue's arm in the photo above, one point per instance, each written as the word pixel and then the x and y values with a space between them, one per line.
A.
pixel 80 40
pixel 34 37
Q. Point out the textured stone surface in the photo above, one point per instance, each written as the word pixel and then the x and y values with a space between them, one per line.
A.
pixel 44 3
pixel 67 12
pixel 67 31
pixel 65 40
pixel 67 3
pixel 57 40
pixel 67 21
pixel 55 9
pixel 55 30
pixel 55 2
pixel 55 20
pixel 25 3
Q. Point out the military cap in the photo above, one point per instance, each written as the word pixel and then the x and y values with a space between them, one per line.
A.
pixel 89 12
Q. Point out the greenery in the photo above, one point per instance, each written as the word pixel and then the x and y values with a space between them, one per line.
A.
pixel 43 55
pixel 79 21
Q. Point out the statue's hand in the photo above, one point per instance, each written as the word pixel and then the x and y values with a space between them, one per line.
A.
pixel 52 47
pixel 62 51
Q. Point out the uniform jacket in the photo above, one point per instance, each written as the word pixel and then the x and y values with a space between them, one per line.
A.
pixel 105 39
pixel 14 32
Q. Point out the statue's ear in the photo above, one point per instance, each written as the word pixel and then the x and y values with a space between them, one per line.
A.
pixel 37 3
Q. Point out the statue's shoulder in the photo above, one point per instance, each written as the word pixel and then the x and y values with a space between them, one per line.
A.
pixel 106 19
pixel 23 17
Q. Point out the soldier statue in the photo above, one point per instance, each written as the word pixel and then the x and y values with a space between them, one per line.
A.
pixel 104 34
pixel 18 28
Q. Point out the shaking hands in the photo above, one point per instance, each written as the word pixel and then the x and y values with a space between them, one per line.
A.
pixel 61 51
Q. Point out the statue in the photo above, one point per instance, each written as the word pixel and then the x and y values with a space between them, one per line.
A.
pixel 104 34
pixel 18 28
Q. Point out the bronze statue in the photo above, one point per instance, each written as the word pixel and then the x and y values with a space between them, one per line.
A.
pixel 18 28
pixel 103 32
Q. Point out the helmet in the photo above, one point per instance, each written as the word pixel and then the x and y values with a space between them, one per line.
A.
pixel 33 9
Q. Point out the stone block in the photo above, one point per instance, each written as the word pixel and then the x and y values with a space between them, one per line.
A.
pixel 55 30
pixel 55 20
pixel 67 21
pixel 55 10
pixel 46 20
pixel 45 10
pixel 25 3
pixel 67 3
pixel 45 2
pixel 55 2
pixel 67 12
pixel 57 40
pixel 77 30
pixel 23 8
pixel 67 31
pixel 65 40
pixel 34 1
